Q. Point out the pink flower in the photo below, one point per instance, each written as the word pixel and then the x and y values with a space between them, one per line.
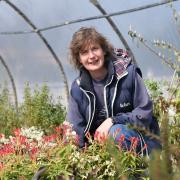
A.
pixel 7 149
pixel 33 153
pixel 58 129
pixel 116 132
pixel 88 135
pixel 101 138
pixel 1 165
pixel 22 139
pixel 2 136
pixel 96 135
pixel 17 132
pixel 22 178
pixel 122 138
pixel 50 138
pixel 134 143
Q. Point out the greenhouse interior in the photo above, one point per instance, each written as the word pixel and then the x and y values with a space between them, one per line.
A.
pixel 36 76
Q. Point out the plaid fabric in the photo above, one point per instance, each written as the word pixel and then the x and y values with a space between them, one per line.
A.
pixel 121 53
pixel 123 60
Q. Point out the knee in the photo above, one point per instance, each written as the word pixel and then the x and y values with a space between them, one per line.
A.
pixel 122 134
pixel 118 130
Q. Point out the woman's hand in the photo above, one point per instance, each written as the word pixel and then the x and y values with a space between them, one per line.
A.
pixel 102 131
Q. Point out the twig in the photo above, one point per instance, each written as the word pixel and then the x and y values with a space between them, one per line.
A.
pixel 156 53
pixel 178 84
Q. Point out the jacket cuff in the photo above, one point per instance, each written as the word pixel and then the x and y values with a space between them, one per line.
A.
pixel 121 119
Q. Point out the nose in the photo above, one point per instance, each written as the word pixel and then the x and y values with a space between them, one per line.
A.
pixel 91 54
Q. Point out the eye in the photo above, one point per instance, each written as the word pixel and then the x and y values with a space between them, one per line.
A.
pixel 95 48
pixel 84 52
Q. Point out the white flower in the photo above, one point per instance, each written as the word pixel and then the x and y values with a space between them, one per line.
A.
pixel 77 155
pixel 73 133
pixel 67 123
pixel 3 140
pixel 96 158
pixel 32 133
pixel 94 167
pixel 68 133
pixel 106 171
pixel 108 162
pixel 171 111
pixel 112 173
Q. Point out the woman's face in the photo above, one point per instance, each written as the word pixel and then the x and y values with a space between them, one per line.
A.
pixel 92 57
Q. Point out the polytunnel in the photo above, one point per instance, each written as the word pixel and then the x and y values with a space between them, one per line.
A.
pixel 35 37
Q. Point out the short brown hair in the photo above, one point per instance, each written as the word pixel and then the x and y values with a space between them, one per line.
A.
pixel 83 37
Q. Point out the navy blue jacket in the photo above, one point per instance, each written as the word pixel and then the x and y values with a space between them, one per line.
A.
pixel 126 99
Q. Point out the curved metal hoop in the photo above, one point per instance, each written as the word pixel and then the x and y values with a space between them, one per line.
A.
pixel 12 81
pixel 45 42
pixel 115 28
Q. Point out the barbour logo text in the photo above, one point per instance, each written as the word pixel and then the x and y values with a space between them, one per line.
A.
pixel 124 104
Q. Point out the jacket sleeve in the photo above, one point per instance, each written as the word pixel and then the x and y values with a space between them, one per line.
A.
pixel 75 117
pixel 141 115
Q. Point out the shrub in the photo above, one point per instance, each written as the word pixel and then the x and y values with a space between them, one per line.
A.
pixel 8 116
pixel 38 109
pixel 57 156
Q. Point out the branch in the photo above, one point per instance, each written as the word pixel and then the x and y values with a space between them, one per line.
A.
pixel 176 88
pixel 134 35
pixel 157 54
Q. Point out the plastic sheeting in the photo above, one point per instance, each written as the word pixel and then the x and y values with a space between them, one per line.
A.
pixel 29 59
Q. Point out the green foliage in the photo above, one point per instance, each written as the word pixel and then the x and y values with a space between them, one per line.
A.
pixel 154 88
pixel 155 92
pixel 17 166
pixel 8 116
pixel 94 162
pixel 166 107
pixel 38 109
pixel 98 161
pixel 61 158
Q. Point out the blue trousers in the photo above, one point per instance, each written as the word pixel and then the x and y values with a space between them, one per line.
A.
pixel 144 144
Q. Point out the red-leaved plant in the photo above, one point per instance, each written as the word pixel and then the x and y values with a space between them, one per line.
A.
pixel 58 156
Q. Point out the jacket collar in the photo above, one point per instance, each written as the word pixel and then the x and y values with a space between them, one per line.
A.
pixel 85 80
pixel 120 66
pixel 115 67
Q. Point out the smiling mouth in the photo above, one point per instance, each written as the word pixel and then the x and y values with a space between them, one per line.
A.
pixel 94 62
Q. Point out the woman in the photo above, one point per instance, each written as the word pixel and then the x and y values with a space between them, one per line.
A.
pixel 109 94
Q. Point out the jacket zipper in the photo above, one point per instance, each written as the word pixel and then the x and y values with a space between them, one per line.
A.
pixel 90 117
pixel 105 99
pixel 115 91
